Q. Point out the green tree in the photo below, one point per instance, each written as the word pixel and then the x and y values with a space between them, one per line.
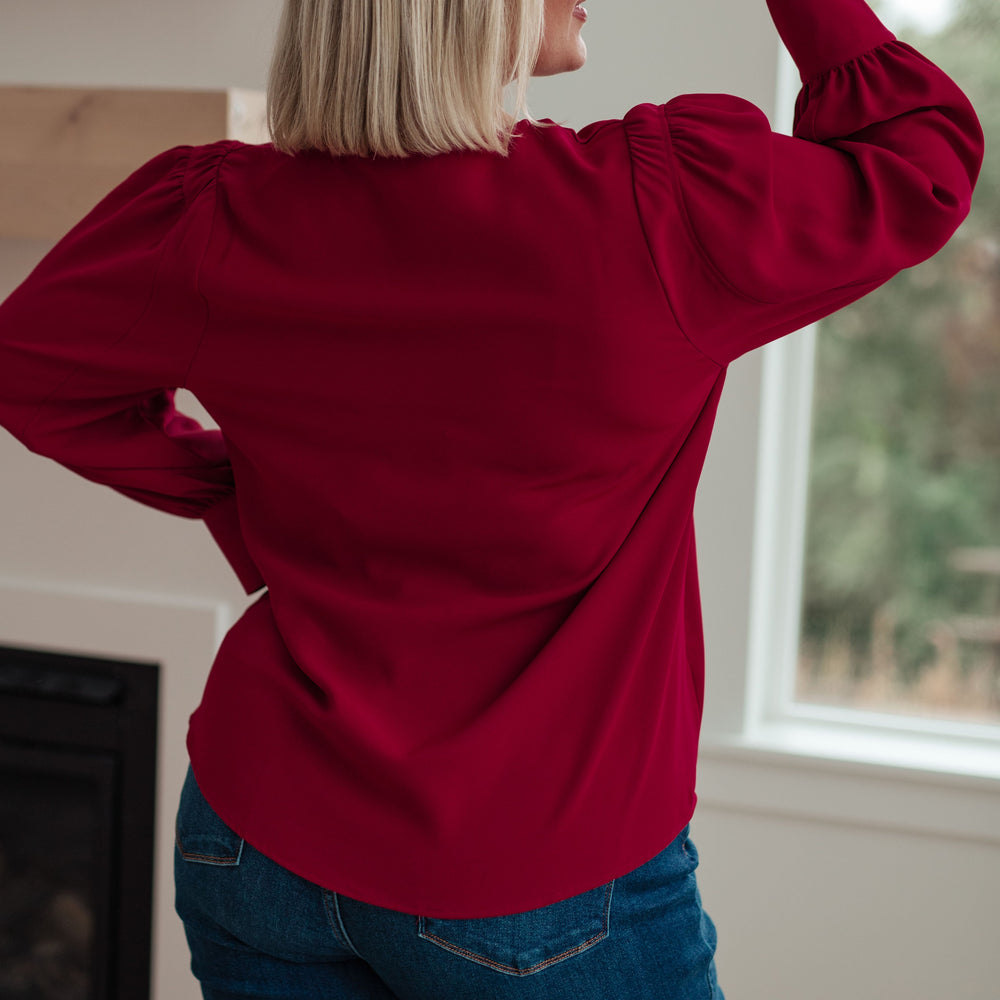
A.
pixel 906 425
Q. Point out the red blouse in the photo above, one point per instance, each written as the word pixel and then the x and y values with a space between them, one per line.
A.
pixel 464 404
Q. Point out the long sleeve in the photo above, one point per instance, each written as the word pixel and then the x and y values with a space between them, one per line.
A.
pixel 95 341
pixel 781 230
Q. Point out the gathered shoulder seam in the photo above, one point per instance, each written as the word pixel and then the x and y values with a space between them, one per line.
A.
pixel 649 249
pixel 214 184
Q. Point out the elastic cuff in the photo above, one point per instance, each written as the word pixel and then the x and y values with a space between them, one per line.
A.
pixel 823 34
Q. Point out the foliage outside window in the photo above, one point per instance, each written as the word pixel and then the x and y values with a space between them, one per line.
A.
pixel 901 595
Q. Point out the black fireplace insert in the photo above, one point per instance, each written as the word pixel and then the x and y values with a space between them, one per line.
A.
pixel 77 811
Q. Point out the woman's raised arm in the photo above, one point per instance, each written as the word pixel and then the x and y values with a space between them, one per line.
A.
pixel 784 230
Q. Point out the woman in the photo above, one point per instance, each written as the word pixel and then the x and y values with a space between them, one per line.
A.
pixel 465 369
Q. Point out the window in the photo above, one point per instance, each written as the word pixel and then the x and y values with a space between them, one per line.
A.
pixel 877 584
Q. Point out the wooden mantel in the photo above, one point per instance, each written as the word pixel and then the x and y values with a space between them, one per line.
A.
pixel 62 149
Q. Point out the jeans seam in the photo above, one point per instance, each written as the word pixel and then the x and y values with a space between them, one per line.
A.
pixel 219 860
pixel 538 966
pixel 331 905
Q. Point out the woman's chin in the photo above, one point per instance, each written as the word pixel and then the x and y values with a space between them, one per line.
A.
pixel 567 64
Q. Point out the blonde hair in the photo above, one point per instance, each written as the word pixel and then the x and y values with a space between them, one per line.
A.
pixel 401 77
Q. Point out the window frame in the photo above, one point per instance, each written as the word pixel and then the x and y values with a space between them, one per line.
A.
pixel 772 720
pixel 771 712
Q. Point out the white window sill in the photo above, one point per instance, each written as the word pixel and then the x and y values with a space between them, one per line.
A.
pixel 883 780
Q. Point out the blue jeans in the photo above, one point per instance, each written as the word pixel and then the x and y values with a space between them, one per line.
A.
pixel 257 930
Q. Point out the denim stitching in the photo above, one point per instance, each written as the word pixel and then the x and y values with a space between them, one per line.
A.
pixel 216 859
pixel 509 969
pixel 336 921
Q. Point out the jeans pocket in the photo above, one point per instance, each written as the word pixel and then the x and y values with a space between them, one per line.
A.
pixel 524 943
pixel 201 835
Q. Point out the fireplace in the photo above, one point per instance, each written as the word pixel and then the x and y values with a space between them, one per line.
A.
pixel 77 802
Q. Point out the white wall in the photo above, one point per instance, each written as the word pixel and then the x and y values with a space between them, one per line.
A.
pixel 806 907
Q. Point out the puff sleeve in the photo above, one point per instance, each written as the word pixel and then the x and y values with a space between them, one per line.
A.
pixel 780 231
pixel 94 343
